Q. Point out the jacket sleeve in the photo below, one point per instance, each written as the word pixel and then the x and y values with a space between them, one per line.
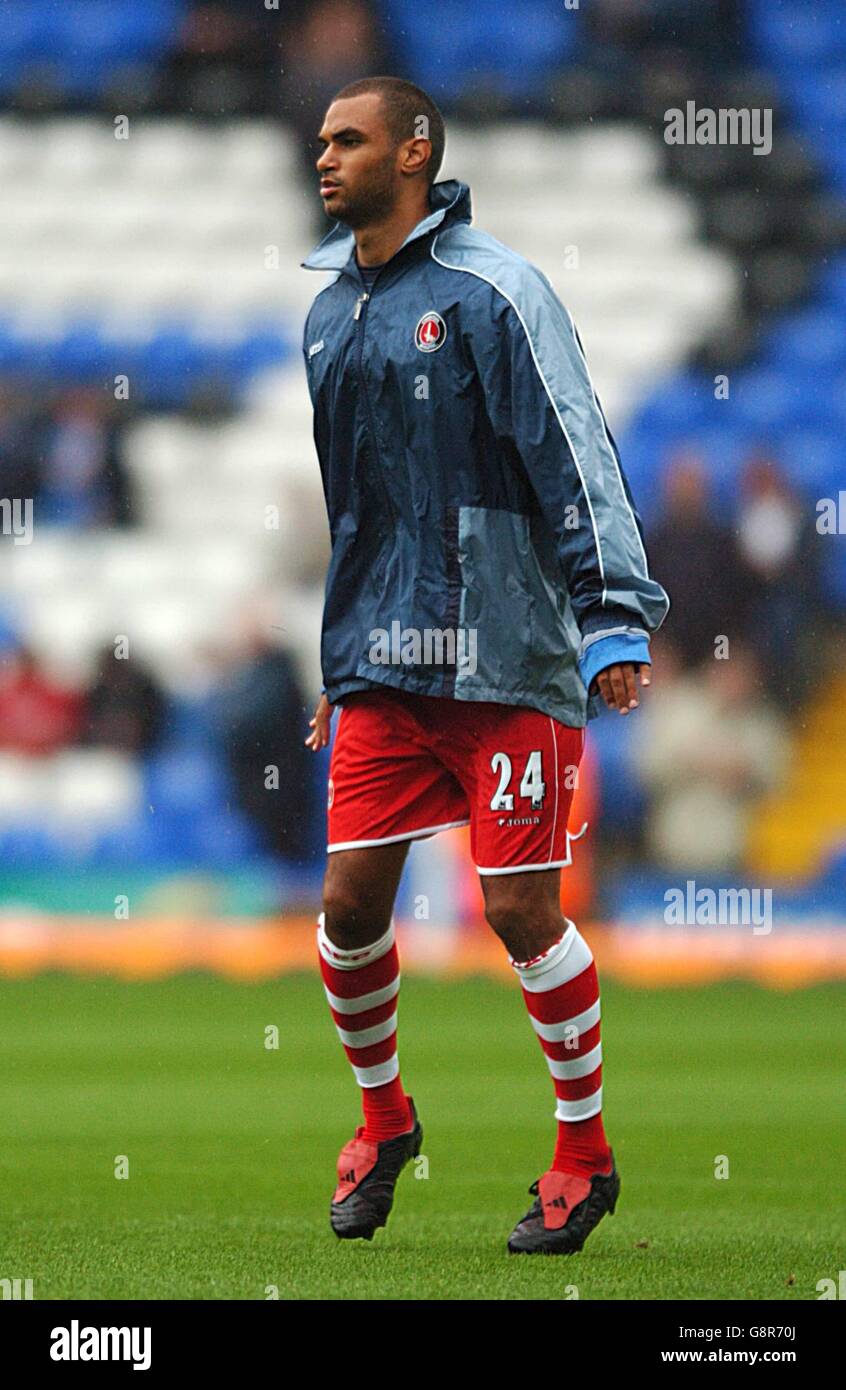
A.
pixel 542 406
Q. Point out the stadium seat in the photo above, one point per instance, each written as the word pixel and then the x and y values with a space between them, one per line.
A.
pixel 512 47
pixel 189 781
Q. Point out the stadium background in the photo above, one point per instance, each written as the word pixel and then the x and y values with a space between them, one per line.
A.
pixel 160 621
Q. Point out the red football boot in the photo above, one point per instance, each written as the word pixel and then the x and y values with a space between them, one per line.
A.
pixel 367 1176
pixel 566 1209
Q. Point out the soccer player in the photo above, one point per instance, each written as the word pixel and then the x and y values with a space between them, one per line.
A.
pixel 487 587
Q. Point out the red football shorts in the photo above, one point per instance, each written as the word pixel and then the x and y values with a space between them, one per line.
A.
pixel 405 766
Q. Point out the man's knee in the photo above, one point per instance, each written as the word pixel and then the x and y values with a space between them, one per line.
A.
pixel 506 913
pixel 355 912
pixel 526 922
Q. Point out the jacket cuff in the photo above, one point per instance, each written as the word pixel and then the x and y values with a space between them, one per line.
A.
pixel 610 648
pixel 606 619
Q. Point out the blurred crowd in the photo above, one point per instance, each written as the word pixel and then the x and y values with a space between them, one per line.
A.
pixel 63 451
pixel 235 53
pixel 708 745
pixel 753 583
pixel 254 713
pixel 741 651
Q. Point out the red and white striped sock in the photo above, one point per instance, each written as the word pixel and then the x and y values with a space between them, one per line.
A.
pixel 561 991
pixel 362 987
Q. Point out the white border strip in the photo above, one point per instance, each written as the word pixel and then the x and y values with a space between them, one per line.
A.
pixel 555 812
pixel 528 868
pixel 406 835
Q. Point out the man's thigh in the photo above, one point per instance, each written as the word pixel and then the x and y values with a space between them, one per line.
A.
pixel 359 891
pixel 386 785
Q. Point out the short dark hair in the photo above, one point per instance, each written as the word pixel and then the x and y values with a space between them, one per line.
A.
pixel 404 103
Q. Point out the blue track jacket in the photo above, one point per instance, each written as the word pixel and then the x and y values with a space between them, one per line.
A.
pixel 472 484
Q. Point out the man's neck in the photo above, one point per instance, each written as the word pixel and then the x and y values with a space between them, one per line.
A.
pixel 376 244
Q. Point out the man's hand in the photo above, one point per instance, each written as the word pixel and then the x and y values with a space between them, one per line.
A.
pixel 618 685
pixel 320 724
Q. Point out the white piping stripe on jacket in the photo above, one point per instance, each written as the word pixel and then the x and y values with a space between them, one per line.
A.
pixel 561 1032
pixel 552 400
pixel 580 1066
pixel 579 1109
pixel 365 1001
pixel 366 1037
pixel 378 1075
pixel 611 449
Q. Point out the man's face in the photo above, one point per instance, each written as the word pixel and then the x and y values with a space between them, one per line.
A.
pixel 358 164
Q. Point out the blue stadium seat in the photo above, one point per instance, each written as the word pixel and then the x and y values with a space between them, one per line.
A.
pixel 10 636
pixel 185 780
pixel 145 840
pixel 833 283
pixel 264 346
pixel 515 44
pixel 10 348
pixel 82 41
pixel 820 97
pixel 791 34
pixel 223 836
pixel 166 369
pixel 814 460
pixel 188 725
pixel 27 31
pixel 622 797
pixel 683 402
pixel 120 30
pixel 814 337
pixel 637 451
pixel 724 448
pixel 773 398
pixel 95 38
pixel 22 846
pixel 81 354
pixel 170 364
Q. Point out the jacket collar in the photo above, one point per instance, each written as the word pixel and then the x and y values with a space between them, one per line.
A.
pixel 337 250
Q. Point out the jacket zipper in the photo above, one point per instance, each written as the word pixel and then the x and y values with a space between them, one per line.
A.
pixel 360 315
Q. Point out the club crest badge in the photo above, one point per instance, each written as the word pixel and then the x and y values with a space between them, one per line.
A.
pixel 430 332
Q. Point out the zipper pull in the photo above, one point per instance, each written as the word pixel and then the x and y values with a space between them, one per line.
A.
pixel 358 304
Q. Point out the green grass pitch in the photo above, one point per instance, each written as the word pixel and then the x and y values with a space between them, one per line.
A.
pixel 231 1146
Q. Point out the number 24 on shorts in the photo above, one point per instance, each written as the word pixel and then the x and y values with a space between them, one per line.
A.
pixel 532 785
